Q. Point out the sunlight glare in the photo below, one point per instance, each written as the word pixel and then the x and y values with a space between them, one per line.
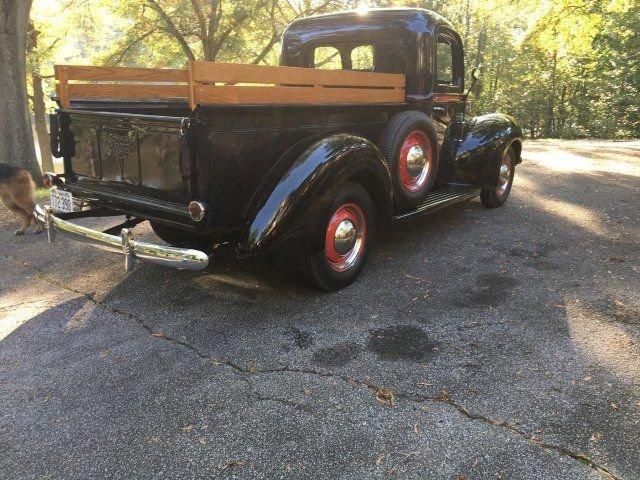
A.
pixel 362 8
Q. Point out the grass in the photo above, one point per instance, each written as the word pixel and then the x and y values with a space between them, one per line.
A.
pixel 41 194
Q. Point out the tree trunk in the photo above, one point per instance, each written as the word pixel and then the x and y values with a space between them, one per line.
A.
pixel 482 43
pixel 467 21
pixel 16 136
pixel 40 116
pixel 549 118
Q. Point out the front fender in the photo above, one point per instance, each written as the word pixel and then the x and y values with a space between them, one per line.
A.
pixel 477 155
pixel 291 216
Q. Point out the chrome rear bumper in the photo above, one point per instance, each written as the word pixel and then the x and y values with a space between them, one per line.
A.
pixel 133 250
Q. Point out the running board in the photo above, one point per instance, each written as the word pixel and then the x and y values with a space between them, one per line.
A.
pixel 437 200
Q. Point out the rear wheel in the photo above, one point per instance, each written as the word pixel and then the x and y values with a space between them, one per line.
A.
pixel 409 145
pixel 347 239
pixel 496 197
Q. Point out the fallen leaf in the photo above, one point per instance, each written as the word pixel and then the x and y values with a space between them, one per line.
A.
pixel 232 464
pixel 596 436
pixel 443 396
pixel 187 429
pixel 406 459
pixel 381 456
pixel 386 397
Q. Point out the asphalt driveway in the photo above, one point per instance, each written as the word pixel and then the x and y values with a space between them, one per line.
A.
pixel 477 344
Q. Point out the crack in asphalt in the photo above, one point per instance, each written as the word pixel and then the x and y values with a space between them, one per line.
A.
pixel 444 397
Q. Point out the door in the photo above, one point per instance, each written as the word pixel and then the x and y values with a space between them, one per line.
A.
pixel 448 78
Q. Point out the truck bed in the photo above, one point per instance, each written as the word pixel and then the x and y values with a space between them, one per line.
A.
pixel 149 172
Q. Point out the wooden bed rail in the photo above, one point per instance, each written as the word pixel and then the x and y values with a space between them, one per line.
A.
pixel 215 82
pixel 228 83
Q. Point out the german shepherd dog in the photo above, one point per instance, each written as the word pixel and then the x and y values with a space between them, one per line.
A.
pixel 18 193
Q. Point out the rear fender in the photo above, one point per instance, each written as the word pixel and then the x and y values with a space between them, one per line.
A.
pixel 475 158
pixel 289 214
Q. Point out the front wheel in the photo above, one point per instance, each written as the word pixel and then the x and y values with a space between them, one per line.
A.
pixel 496 197
pixel 347 240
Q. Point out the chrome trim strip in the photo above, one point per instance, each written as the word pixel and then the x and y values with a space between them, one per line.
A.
pixel 133 250
pixel 134 116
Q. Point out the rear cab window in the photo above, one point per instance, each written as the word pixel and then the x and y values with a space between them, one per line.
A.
pixel 360 57
pixel 327 58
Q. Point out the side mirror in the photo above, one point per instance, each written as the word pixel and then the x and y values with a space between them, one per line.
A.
pixel 475 75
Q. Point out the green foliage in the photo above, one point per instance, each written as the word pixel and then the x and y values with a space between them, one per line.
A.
pixel 562 68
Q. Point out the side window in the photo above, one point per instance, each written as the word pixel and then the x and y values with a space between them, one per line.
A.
pixel 444 62
pixel 362 58
pixel 327 58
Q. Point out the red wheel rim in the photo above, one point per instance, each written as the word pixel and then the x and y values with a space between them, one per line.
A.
pixel 345 237
pixel 504 174
pixel 415 161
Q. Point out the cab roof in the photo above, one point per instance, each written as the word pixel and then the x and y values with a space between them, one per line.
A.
pixel 414 20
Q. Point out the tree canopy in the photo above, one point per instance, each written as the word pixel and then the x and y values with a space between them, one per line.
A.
pixel 563 68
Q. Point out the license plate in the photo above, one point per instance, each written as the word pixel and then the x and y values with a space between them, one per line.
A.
pixel 61 201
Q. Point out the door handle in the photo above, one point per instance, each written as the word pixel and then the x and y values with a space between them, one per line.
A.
pixel 439 111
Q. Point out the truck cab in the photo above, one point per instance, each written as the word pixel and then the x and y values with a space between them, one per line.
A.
pixel 418 43
pixel 361 126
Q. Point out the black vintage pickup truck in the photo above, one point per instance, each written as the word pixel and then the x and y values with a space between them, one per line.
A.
pixel 304 167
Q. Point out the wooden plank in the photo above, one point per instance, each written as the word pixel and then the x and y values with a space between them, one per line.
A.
pixel 240 73
pixel 89 73
pixel 192 87
pixel 62 85
pixel 295 95
pixel 127 91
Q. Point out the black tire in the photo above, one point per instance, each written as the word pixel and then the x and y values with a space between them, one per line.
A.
pixel 397 131
pixel 180 238
pixel 496 197
pixel 332 269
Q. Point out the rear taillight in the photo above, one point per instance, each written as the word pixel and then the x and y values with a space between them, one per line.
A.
pixel 197 211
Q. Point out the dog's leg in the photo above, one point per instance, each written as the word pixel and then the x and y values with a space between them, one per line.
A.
pixel 26 218
pixel 7 200
pixel 28 212
pixel 32 218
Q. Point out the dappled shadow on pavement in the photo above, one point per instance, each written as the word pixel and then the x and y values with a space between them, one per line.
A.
pixel 495 329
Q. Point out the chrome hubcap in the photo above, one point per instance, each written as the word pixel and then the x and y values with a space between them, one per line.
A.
pixel 504 175
pixel 416 161
pixel 345 237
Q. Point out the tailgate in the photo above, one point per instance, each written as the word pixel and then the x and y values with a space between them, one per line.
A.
pixel 137 163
